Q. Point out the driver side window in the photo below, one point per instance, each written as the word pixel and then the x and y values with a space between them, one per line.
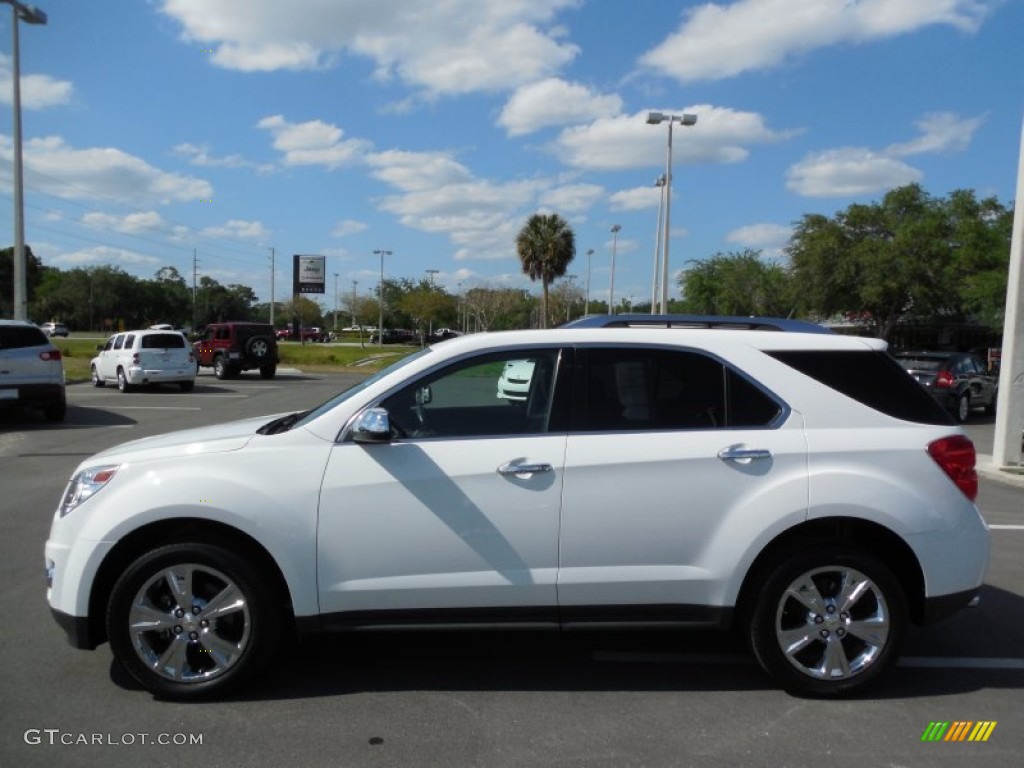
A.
pixel 490 396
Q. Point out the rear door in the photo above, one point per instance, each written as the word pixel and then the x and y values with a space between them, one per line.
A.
pixel 674 462
pixel 164 351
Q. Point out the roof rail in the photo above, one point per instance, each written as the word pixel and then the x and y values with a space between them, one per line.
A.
pixel 724 322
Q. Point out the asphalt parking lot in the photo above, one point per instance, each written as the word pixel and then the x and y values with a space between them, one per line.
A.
pixel 487 699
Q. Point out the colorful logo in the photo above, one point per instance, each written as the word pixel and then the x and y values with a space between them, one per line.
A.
pixel 959 730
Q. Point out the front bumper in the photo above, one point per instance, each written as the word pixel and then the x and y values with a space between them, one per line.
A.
pixel 77 629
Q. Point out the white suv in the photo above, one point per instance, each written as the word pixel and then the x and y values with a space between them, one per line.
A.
pixel 796 484
pixel 31 370
pixel 142 358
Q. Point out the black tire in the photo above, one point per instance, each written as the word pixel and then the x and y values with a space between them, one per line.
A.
pixel 823 646
pixel 258 348
pixel 122 381
pixel 268 371
pixel 963 407
pixel 181 648
pixel 187 386
pixel 990 409
pixel 221 369
pixel 95 375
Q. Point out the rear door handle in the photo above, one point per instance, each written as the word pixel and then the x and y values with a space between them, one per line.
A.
pixel 511 468
pixel 741 454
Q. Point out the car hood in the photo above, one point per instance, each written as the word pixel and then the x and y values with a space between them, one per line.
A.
pixel 213 439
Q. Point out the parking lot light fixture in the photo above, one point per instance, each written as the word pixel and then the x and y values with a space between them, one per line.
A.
pixel 611 282
pixel 30 15
pixel 656 118
pixel 380 298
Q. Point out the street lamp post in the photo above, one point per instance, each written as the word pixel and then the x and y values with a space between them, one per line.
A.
pixel 660 183
pixel 380 298
pixel 586 302
pixel 611 282
pixel 568 298
pixel 30 15
pixel 655 118
pixel 335 302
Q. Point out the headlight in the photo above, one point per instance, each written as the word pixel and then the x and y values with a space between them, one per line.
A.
pixel 85 484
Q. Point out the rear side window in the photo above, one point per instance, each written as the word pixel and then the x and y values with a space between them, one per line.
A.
pixel 163 341
pixel 873 379
pixel 21 336
pixel 630 389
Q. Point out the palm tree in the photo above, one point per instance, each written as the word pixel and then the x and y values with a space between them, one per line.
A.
pixel 546 245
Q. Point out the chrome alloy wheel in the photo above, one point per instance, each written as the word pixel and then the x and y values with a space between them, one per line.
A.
pixel 189 623
pixel 832 623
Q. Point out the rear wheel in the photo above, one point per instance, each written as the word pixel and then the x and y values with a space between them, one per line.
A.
pixel 827 623
pixel 192 621
pixel 963 407
pixel 122 381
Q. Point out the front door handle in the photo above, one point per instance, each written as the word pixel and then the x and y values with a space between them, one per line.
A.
pixel 511 468
pixel 743 454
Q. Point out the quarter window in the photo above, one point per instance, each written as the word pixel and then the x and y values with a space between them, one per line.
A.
pixel 654 389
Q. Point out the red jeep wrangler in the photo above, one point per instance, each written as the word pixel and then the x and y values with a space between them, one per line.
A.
pixel 234 347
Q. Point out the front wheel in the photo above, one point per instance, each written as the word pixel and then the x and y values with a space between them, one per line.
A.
pixel 827 623
pixel 963 407
pixel 97 381
pixel 220 368
pixel 191 621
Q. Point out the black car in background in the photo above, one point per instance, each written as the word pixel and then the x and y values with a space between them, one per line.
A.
pixel 960 381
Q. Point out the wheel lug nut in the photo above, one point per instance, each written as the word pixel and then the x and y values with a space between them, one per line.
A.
pixel 819 619
pixel 831 609
pixel 841 632
pixel 179 613
pixel 824 633
pixel 204 623
pixel 193 635
pixel 195 610
pixel 178 630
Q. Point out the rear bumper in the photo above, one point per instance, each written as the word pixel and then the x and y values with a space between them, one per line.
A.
pixel 34 394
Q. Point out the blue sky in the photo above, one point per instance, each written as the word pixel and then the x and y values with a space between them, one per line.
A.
pixel 433 129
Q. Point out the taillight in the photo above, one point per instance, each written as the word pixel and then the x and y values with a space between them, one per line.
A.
pixel 944 380
pixel 50 354
pixel 136 360
pixel 955 456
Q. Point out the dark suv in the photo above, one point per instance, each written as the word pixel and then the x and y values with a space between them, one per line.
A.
pixel 232 347
pixel 958 380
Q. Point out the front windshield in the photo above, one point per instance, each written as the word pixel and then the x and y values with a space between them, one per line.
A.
pixel 341 397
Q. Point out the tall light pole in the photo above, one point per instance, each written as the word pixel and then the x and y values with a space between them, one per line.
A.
pixel 586 302
pixel 380 298
pixel 30 15
pixel 660 183
pixel 568 298
pixel 611 282
pixel 335 301
pixel 655 118
pixel 353 307
pixel 271 287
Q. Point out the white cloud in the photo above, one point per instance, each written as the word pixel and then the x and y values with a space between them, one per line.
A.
pixel 102 254
pixel 135 223
pixel 721 135
pixel 37 91
pixel 940 132
pixel 450 47
pixel 53 167
pixel 767 238
pixel 848 172
pixel 861 170
pixel 313 143
pixel 417 171
pixel 716 41
pixel 240 229
pixel 571 198
pixel 554 102
pixel 347 227
pixel 636 199
pixel 200 155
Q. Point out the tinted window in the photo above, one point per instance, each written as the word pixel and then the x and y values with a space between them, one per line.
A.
pixel 874 379
pixel 641 389
pixel 118 342
pixel 494 395
pixel 19 336
pixel 163 341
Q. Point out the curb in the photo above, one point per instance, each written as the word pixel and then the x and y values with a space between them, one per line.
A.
pixel 1009 476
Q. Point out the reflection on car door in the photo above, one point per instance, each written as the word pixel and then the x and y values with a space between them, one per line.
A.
pixel 640 510
pixel 458 515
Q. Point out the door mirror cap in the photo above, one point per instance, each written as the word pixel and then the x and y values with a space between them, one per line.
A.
pixel 372 426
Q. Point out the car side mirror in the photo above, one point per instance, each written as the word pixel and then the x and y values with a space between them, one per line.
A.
pixel 372 426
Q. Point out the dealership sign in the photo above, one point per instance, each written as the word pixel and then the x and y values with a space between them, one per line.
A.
pixel 310 274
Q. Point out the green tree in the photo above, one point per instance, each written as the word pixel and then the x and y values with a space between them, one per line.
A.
pixel 736 284
pixel 981 233
pixel 33 277
pixel 546 246
pixel 890 260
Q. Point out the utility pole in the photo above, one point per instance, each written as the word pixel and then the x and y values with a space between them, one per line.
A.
pixel 272 287
pixel 195 268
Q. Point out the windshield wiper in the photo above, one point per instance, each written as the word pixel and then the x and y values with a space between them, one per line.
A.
pixel 282 424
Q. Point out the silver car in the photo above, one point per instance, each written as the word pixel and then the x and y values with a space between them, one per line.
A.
pixel 31 370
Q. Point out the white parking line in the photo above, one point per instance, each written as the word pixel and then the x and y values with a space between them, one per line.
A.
pixel 1007 527
pixel 148 407
pixel 920 662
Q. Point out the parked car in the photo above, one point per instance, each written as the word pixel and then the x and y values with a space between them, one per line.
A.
pixel 958 380
pixel 514 383
pixel 144 358
pixel 796 485
pixel 55 329
pixel 393 336
pixel 31 370
pixel 232 347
